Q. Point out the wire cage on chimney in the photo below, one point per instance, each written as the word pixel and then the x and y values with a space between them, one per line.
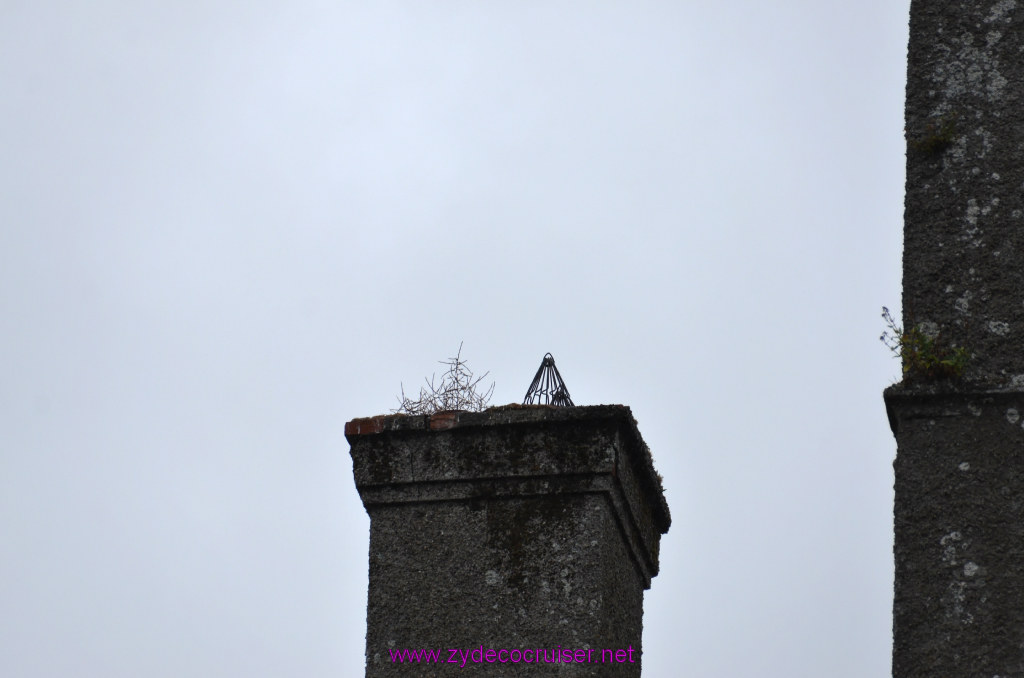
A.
pixel 547 387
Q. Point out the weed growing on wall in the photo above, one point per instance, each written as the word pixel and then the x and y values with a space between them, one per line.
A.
pixel 923 356
pixel 938 135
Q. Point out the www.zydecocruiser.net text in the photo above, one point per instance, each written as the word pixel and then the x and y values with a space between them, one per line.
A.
pixel 540 655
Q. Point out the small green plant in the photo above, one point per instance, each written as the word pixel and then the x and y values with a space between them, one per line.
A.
pixel 923 356
pixel 938 135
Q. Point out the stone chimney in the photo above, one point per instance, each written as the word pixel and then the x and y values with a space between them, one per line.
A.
pixel 957 415
pixel 517 541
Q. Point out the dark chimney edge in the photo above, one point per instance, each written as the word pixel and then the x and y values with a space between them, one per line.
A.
pixel 515 414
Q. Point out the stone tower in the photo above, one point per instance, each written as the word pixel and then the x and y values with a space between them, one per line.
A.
pixel 957 415
pixel 522 538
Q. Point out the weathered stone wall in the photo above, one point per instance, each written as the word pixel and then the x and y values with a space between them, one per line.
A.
pixel 959 521
pixel 963 277
pixel 959 468
pixel 518 527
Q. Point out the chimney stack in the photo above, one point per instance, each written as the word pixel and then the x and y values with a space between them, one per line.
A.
pixel 959 471
pixel 517 541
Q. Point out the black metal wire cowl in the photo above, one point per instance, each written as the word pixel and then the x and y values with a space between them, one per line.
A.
pixel 547 387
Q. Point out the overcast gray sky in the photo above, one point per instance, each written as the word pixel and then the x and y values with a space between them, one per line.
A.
pixel 228 227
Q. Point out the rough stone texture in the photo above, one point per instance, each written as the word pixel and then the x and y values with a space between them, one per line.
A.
pixel 959 522
pixel 517 527
pixel 964 232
